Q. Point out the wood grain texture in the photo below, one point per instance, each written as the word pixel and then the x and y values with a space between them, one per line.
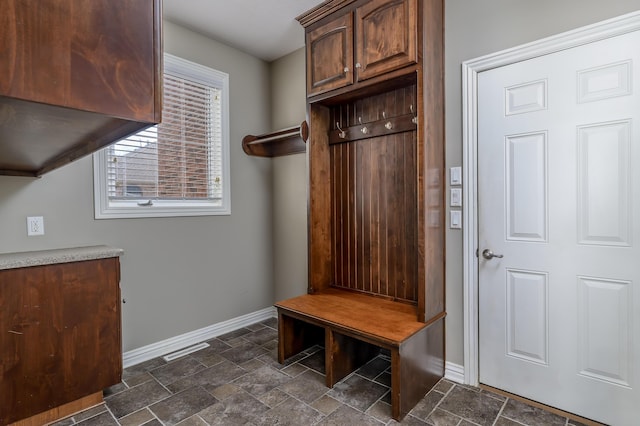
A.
pixel 82 55
pixel 431 188
pixel 276 144
pixel 355 327
pixel 376 209
pixel 295 336
pixel 324 9
pixel 319 193
pixel 386 36
pixel 330 55
pixel 75 71
pixel 61 337
pixel 361 41
pixel 357 315
pixel 374 206
pixel 61 412
pixel 419 366
pixel 344 355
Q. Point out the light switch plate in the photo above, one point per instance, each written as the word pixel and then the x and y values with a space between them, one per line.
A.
pixel 455 219
pixel 456 197
pixel 455 176
pixel 35 225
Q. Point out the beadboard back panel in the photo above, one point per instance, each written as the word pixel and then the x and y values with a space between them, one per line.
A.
pixel 374 201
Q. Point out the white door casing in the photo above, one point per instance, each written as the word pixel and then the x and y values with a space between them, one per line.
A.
pixel 526 283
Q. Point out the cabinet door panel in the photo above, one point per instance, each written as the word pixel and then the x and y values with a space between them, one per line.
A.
pixel 61 339
pixel 330 55
pixel 112 58
pixel 96 55
pixel 386 36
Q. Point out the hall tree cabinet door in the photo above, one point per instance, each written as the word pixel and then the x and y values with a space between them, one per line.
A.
pixel 386 33
pixel 365 42
pixel 330 55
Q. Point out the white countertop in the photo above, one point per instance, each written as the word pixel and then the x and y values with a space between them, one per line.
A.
pixel 50 257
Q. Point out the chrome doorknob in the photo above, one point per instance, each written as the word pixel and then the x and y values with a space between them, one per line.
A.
pixel 488 254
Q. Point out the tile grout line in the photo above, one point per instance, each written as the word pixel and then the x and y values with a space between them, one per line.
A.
pixel 437 406
pixel 266 359
pixel 504 405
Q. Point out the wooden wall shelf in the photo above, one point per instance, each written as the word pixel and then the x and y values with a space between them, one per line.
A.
pixel 276 144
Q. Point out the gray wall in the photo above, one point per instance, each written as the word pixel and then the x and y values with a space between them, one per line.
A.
pixel 472 29
pixel 178 274
pixel 288 108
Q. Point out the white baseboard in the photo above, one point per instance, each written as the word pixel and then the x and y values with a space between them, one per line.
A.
pixel 454 372
pixel 154 350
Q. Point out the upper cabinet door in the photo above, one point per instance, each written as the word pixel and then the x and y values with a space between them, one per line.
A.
pixel 97 56
pixel 75 76
pixel 386 36
pixel 330 55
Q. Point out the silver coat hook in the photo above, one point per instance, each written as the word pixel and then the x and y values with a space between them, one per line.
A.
pixel 414 120
pixel 364 129
pixel 342 133
pixel 388 124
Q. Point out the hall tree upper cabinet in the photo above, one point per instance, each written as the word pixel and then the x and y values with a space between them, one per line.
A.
pixel 376 150
pixel 362 42
pixel 75 76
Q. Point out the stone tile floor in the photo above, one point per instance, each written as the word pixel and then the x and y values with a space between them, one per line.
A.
pixel 238 381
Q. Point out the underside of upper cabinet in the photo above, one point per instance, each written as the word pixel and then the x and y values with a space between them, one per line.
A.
pixel 75 76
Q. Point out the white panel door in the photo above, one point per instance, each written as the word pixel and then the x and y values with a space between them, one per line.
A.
pixel 559 199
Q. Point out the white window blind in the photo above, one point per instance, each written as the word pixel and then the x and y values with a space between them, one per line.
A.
pixel 179 167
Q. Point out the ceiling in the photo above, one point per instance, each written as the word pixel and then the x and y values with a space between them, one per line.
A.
pixel 266 29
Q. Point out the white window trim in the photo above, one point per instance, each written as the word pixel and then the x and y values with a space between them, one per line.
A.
pixel 170 208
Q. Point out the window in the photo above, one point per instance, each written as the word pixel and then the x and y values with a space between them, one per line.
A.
pixel 179 167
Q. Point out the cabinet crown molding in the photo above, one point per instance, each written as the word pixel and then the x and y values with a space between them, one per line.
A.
pixel 324 9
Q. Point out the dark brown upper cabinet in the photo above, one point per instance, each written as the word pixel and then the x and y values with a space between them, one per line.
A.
pixel 366 41
pixel 386 33
pixel 75 76
pixel 330 55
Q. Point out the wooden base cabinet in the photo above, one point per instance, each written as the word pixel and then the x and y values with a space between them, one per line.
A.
pixel 61 335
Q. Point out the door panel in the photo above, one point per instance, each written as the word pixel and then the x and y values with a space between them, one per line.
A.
pixel 330 55
pixel 559 196
pixel 386 36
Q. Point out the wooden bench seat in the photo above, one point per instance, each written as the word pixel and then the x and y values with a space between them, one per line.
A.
pixel 353 327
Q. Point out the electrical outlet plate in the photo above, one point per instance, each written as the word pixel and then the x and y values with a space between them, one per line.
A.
pixel 35 226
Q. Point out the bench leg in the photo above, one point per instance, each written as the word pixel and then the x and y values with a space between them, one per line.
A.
pixel 416 367
pixel 294 336
pixel 344 355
